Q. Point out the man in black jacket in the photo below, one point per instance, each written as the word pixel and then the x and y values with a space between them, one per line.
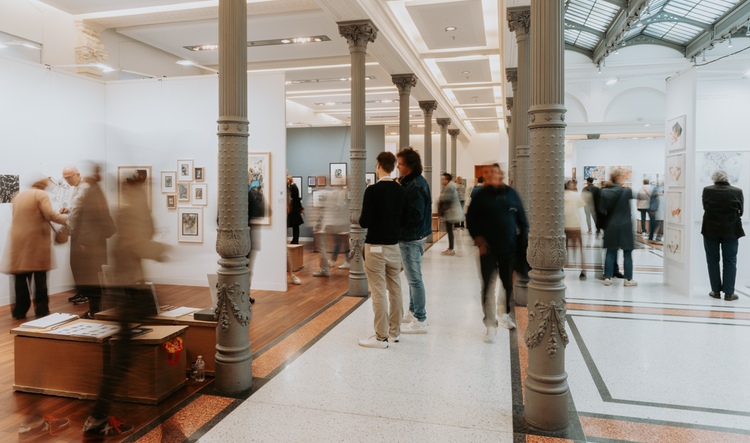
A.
pixel 496 220
pixel 723 206
pixel 382 209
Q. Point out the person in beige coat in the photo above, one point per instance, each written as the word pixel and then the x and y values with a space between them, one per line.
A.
pixel 30 247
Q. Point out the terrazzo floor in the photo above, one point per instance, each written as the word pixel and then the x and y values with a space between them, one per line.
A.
pixel 644 364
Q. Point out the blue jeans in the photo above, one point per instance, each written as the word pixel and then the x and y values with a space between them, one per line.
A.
pixel 611 260
pixel 411 256
pixel 728 247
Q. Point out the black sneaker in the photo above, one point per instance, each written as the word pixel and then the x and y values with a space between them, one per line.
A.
pixel 713 294
pixel 619 275
pixel 731 297
pixel 108 427
pixel 78 299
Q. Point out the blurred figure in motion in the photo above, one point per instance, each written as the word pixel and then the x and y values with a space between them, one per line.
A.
pixel 461 189
pixel 573 240
pixel 90 226
pixel 332 219
pixel 449 209
pixel 656 212
pixel 590 195
pixel 294 209
pixel 72 177
pixel 618 233
pixel 133 243
pixel 29 253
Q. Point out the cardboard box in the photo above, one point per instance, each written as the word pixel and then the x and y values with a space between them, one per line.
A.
pixel 296 255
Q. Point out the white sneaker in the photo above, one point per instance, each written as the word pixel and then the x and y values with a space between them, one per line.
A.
pixel 491 336
pixel 607 282
pixel 416 327
pixel 507 322
pixel 345 265
pixel 630 283
pixel 373 342
pixel 395 339
pixel 408 317
pixel 296 280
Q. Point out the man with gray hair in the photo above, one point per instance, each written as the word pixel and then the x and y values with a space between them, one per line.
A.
pixel 723 206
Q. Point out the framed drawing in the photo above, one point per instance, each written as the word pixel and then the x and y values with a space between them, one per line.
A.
pixel 320 198
pixel 338 174
pixel 737 166
pixel 676 170
pixel 321 181
pixel 675 133
pixel 673 244
pixel 168 181
pixel 198 174
pixel 259 186
pixel 674 212
pixel 199 194
pixel 183 192
pixel 190 225
pixel 311 181
pixel 369 178
pixel 598 172
pixel 171 201
pixel 140 174
pixel 9 185
pixel 184 170
pixel 627 173
pixel 297 180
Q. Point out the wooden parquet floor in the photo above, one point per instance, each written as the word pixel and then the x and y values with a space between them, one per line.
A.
pixel 274 315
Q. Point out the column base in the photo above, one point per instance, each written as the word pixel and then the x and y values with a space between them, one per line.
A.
pixel 548 412
pixel 233 377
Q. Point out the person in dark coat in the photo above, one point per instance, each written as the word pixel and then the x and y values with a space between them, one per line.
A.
pixel 723 206
pixel 294 209
pixel 615 203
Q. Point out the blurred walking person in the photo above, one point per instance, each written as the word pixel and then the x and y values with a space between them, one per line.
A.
pixel 618 234
pixel 590 195
pixel 573 240
pixel 294 209
pixel 449 209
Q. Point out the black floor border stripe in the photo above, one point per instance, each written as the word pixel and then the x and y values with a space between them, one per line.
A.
pixel 674 424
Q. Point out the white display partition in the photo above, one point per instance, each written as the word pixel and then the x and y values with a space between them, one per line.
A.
pixel 49 119
pixel 156 122
pixel 681 270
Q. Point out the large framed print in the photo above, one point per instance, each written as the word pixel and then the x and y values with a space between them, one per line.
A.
pixel 338 174
pixel 190 222
pixel 199 194
pixel 673 244
pixel 184 170
pixel 626 177
pixel 259 186
pixel 598 172
pixel 168 182
pixel 675 211
pixel 675 132
pixel 737 166
pixel 676 171
pixel 140 174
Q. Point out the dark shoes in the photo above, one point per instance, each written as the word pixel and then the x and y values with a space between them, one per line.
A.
pixel 582 276
pixel 716 295
pixel 731 297
pixel 78 299
pixel 94 430
pixel 87 316
pixel 252 300
pixel 619 275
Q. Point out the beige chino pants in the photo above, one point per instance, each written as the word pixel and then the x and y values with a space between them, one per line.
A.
pixel 382 266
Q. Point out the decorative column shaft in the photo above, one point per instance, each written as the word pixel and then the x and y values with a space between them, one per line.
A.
pixel 357 33
pixel 512 75
pixel 233 310
pixel 511 139
pixel 454 136
pixel 443 123
pixel 546 387
pixel 404 83
pixel 519 21
pixel 428 107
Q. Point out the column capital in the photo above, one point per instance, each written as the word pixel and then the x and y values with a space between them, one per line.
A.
pixel 519 20
pixel 509 120
pixel 511 74
pixel 358 33
pixel 404 82
pixel 443 122
pixel 509 103
pixel 428 106
pixel 454 133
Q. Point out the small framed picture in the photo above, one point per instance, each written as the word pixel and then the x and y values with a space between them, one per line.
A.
pixel 338 174
pixel 171 201
pixel 370 178
pixel 321 180
pixel 190 225
pixel 199 193
pixel 198 174
pixel 168 182
pixel 133 174
pixel 183 192
pixel 297 180
pixel 311 181
pixel 184 170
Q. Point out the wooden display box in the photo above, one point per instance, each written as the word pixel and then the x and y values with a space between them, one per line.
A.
pixel 296 254
pixel 72 366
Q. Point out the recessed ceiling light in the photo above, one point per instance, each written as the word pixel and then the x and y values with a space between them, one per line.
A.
pixel 450 28
pixel 285 41
pixel 185 62
pixel 465 72
pixel 612 81
pixel 276 41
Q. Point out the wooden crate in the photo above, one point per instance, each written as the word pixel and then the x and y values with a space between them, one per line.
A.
pixel 296 254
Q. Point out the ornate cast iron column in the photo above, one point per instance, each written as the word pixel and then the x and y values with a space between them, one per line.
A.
pixel 512 75
pixel 233 310
pixel 357 33
pixel 511 138
pixel 454 136
pixel 428 107
pixel 519 21
pixel 546 388
pixel 443 123
pixel 404 83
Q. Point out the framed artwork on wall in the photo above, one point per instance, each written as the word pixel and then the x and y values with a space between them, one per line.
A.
pixel 674 211
pixel 673 244
pixel 311 181
pixel 338 174
pixel 183 192
pixel 184 170
pixel 737 166
pixel 676 170
pixel 9 185
pixel 297 180
pixel 259 186
pixel 199 194
pixel 320 197
pixel 141 174
pixel 598 172
pixel 198 173
pixel 168 182
pixel 370 178
pixel 321 181
pixel 626 179
pixel 675 133
pixel 190 225
pixel 171 201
